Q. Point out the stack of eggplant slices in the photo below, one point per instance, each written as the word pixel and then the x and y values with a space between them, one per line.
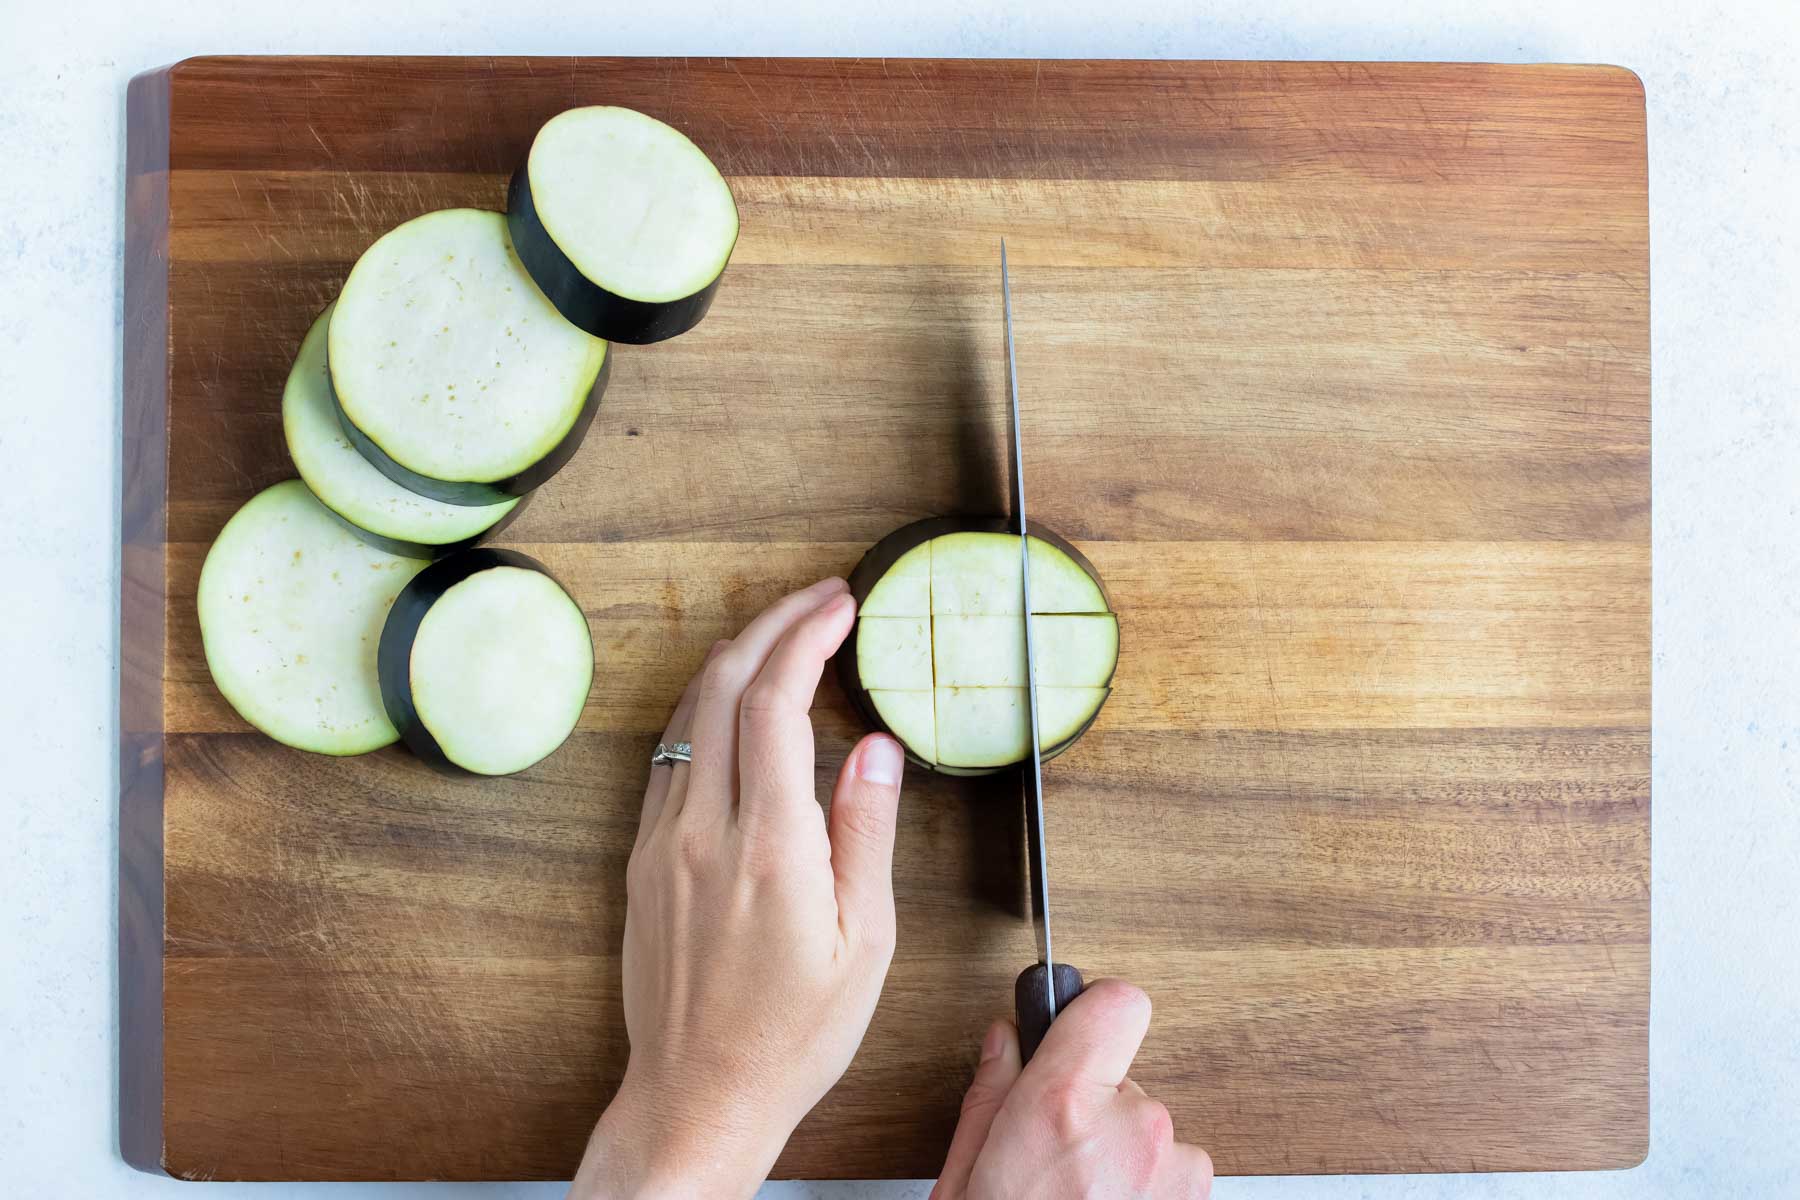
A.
pixel 457 371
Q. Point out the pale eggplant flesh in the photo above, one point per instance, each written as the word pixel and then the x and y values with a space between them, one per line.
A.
pixel 450 372
pixel 937 655
pixel 291 606
pixel 623 222
pixel 475 493
pixel 485 663
pixel 353 490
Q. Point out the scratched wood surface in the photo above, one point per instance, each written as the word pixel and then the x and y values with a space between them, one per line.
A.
pixel 1338 372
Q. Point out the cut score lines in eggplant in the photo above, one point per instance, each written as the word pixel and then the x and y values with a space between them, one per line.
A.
pixel 937 658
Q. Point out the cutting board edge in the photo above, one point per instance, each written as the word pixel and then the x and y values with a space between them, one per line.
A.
pixel 143 599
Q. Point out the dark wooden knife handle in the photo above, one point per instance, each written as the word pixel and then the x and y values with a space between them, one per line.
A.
pixel 1028 1001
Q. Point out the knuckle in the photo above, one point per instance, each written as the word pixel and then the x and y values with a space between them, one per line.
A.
pixel 1062 1106
pixel 762 699
pixel 981 1099
pixel 763 859
pixel 1156 1129
pixel 1118 1005
pixel 694 848
pixel 1198 1179
pixel 718 679
pixel 882 931
pixel 1126 998
pixel 863 822
pixel 878 933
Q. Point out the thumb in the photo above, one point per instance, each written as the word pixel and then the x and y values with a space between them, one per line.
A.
pixel 1095 1039
pixel 994 1078
pixel 1190 1173
pixel 864 807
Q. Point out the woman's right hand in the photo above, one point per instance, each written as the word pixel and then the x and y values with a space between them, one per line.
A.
pixel 1070 1124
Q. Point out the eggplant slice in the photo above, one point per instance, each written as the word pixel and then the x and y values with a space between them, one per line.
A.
pixel 938 654
pixel 370 505
pixel 623 222
pixel 291 612
pixel 486 663
pixel 449 369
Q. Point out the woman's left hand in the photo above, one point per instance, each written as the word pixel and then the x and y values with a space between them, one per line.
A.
pixel 758 931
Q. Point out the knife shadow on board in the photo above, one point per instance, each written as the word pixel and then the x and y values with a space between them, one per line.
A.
pixel 967 337
pixel 970 339
pixel 996 824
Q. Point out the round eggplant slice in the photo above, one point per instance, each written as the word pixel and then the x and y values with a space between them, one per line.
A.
pixel 485 663
pixel 625 224
pixel 450 371
pixel 370 505
pixel 291 612
pixel 937 657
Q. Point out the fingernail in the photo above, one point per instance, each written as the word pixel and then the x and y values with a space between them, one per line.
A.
pixel 994 1044
pixel 716 647
pixel 882 762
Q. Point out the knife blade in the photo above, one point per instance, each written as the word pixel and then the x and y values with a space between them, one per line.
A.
pixel 1045 987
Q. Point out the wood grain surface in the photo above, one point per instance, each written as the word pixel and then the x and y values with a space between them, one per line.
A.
pixel 1339 373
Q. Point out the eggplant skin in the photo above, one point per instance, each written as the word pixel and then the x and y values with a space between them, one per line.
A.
pixel 582 302
pixel 393 657
pixel 880 559
pixel 427 550
pixel 475 493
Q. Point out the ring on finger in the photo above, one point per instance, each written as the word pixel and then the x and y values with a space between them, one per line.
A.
pixel 669 753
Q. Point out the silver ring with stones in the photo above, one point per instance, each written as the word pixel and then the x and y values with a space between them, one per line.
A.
pixel 668 756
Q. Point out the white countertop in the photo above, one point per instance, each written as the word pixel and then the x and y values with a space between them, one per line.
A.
pixel 1725 317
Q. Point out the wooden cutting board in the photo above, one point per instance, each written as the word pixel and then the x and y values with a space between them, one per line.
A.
pixel 1339 372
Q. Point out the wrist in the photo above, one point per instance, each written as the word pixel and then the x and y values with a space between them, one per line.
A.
pixel 647 1144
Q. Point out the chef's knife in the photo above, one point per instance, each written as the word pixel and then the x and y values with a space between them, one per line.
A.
pixel 1046 986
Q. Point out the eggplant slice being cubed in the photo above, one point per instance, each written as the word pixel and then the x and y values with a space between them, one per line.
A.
pixel 623 222
pixel 291 612
pixel 485 663
pixel 450 371
pixel 937 657
pixel 371 505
